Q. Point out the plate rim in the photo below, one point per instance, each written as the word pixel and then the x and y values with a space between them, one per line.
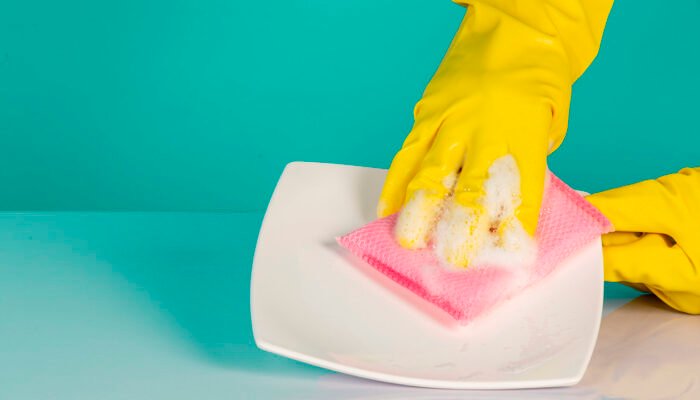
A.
pixel 265 345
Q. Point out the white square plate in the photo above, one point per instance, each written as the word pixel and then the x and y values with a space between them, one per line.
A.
pixel 313 302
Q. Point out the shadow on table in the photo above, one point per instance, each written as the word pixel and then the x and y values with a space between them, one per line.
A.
pixel 196 268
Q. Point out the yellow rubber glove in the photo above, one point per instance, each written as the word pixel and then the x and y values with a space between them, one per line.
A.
pixel 503 88
pixel 656 243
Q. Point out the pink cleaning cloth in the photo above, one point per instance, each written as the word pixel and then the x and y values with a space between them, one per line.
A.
pixel 567 223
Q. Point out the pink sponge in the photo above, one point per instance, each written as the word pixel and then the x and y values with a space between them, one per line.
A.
pixel 567 223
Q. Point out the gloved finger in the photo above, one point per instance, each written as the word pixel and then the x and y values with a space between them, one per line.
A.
pixel 657 263
pixel 463 227
pixel 528 146
pixel 533 170
pixel 490 218
pixel 620 238
pixel 404 167
pixel 438 170
pixel 560 117
pixel 417 218
pixel 635 208
pixel 431 185
pixel 479 157
pixel 460 233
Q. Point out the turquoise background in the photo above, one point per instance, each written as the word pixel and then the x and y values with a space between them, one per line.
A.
pixel 198 105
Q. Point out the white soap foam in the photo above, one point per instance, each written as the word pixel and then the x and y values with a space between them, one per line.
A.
pixel 449 181
pixel 420 215
pixel 414 224
pixel 493 236
pixel 455 241
pixel 507 241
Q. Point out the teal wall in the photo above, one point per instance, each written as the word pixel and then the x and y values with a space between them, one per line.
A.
pixel 197 105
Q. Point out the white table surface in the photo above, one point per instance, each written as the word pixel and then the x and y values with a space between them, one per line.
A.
pixel 155 305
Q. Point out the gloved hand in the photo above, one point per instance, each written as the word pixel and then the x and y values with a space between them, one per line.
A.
pixel 503 88
pixel 656 243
